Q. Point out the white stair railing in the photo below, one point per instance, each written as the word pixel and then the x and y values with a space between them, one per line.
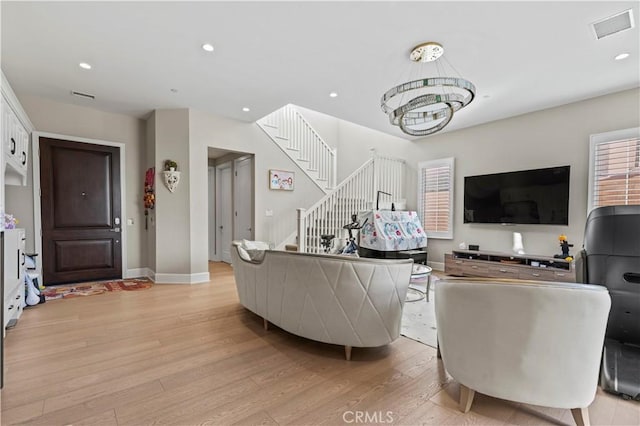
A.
pixel 355 194
pixel 295 136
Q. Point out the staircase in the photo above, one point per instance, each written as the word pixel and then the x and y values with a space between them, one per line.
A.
pixel 355 194
pixel 295 136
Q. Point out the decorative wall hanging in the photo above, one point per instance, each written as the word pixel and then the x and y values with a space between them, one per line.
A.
pixel 171 180
pixel 280 179
pixel 149 193
pixel 171 175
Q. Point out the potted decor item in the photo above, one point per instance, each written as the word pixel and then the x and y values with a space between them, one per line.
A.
pixel 170 166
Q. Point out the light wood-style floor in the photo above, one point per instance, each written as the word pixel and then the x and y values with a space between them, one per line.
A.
pixel 187 355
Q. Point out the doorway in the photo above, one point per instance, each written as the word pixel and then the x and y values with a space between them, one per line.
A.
pixel 224 208
pixel 243 198
pixel 231 201
pixel 78 200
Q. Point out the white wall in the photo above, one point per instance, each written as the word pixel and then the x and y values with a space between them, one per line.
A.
pixel 553 137
pixel 72 120
pixel 208 130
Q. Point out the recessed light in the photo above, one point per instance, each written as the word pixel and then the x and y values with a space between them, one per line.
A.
pixel 245 109
pixel 84 65
pixel 333 95
pixel 208 47
pixel 621 56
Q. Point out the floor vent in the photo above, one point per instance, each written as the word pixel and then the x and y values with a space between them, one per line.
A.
pixel 613 24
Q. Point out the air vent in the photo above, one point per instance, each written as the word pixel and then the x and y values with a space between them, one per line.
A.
pixel 82 95
pixel 613 24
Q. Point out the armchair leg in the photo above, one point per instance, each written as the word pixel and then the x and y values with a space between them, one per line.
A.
pixel 581 416
pixel 265 324
pixel 347 353
pixel 466 398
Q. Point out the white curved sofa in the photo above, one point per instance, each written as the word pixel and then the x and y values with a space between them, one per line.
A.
pixel 354 302
pixel 531 342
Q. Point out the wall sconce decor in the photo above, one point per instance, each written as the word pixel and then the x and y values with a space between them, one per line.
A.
pixel 171 175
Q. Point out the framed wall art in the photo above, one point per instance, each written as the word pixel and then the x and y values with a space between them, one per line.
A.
pixel 281 179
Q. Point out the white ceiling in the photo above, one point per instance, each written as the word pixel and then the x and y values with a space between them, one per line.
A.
pixel 522 56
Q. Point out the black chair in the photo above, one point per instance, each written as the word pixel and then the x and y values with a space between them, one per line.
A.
pixel 611 256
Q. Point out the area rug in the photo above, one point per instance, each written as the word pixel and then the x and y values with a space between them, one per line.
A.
pixel 69 291
pixel 419 316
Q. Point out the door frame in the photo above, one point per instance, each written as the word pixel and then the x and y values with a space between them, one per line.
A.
pixel 211 213
pixel 219 204
pixel 37 207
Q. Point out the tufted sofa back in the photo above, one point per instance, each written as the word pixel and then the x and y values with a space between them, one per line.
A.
pixel 333 299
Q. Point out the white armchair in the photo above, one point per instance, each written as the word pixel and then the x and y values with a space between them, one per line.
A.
pixel 535 343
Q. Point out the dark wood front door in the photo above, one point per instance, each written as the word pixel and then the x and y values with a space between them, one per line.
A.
pixel 81 221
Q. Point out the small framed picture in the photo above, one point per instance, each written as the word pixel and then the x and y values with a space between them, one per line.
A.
pixel 281 179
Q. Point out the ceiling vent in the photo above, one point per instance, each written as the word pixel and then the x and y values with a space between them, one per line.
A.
pixel 613 24
pixel 82 95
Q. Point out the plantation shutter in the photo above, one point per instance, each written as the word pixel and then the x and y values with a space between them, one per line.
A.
pixel 435 197
pixel 615 169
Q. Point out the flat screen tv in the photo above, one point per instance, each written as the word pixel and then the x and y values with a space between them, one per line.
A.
pixel 538 196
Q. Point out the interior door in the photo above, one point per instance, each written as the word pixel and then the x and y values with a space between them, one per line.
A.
pixel 224 204
pixel 243 199
pixel 81 221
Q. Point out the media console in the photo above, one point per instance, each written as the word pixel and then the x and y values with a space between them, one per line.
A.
pixel 506 265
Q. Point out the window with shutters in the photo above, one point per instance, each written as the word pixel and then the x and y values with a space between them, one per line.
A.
pixel 614 172
pixel 435 197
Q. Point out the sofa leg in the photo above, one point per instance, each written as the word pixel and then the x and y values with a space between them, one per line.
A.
pixel 581 416
pixel 466 398
pixel 347 353
pixel 265 323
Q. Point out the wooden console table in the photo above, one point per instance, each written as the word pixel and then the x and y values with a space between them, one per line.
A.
pixel 505 265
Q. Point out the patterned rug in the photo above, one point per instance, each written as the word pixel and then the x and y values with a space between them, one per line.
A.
pixel 69 291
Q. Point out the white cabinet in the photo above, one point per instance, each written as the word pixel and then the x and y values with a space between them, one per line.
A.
pixel 14 267
pixel 15 141
pixel 16 132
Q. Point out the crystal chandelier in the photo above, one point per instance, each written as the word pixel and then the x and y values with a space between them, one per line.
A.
pixel 435 101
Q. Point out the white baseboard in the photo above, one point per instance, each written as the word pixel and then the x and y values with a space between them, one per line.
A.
pixel 202 277
pixel 139 272
pixel 436 266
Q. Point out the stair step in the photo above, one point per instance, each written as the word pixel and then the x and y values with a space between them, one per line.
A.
pixel 302 159
pixel 281 137
pixel 293 149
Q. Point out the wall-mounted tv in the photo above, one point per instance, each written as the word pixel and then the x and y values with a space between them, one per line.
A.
pixel 538 196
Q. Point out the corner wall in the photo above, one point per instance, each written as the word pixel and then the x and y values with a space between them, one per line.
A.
pixel 73 120
pixel 552 137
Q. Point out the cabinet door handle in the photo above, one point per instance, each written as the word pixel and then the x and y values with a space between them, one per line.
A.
pixel 13 146
pixel 24 158
pixel 459 262
pixel 18 297
pixel 503 270
pixel 474 266
pixel 559 274
pixel 18 266
pixel 23 259
pixel 11 307
pixel 536 275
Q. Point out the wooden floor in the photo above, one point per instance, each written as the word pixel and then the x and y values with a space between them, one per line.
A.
pixel 186 355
